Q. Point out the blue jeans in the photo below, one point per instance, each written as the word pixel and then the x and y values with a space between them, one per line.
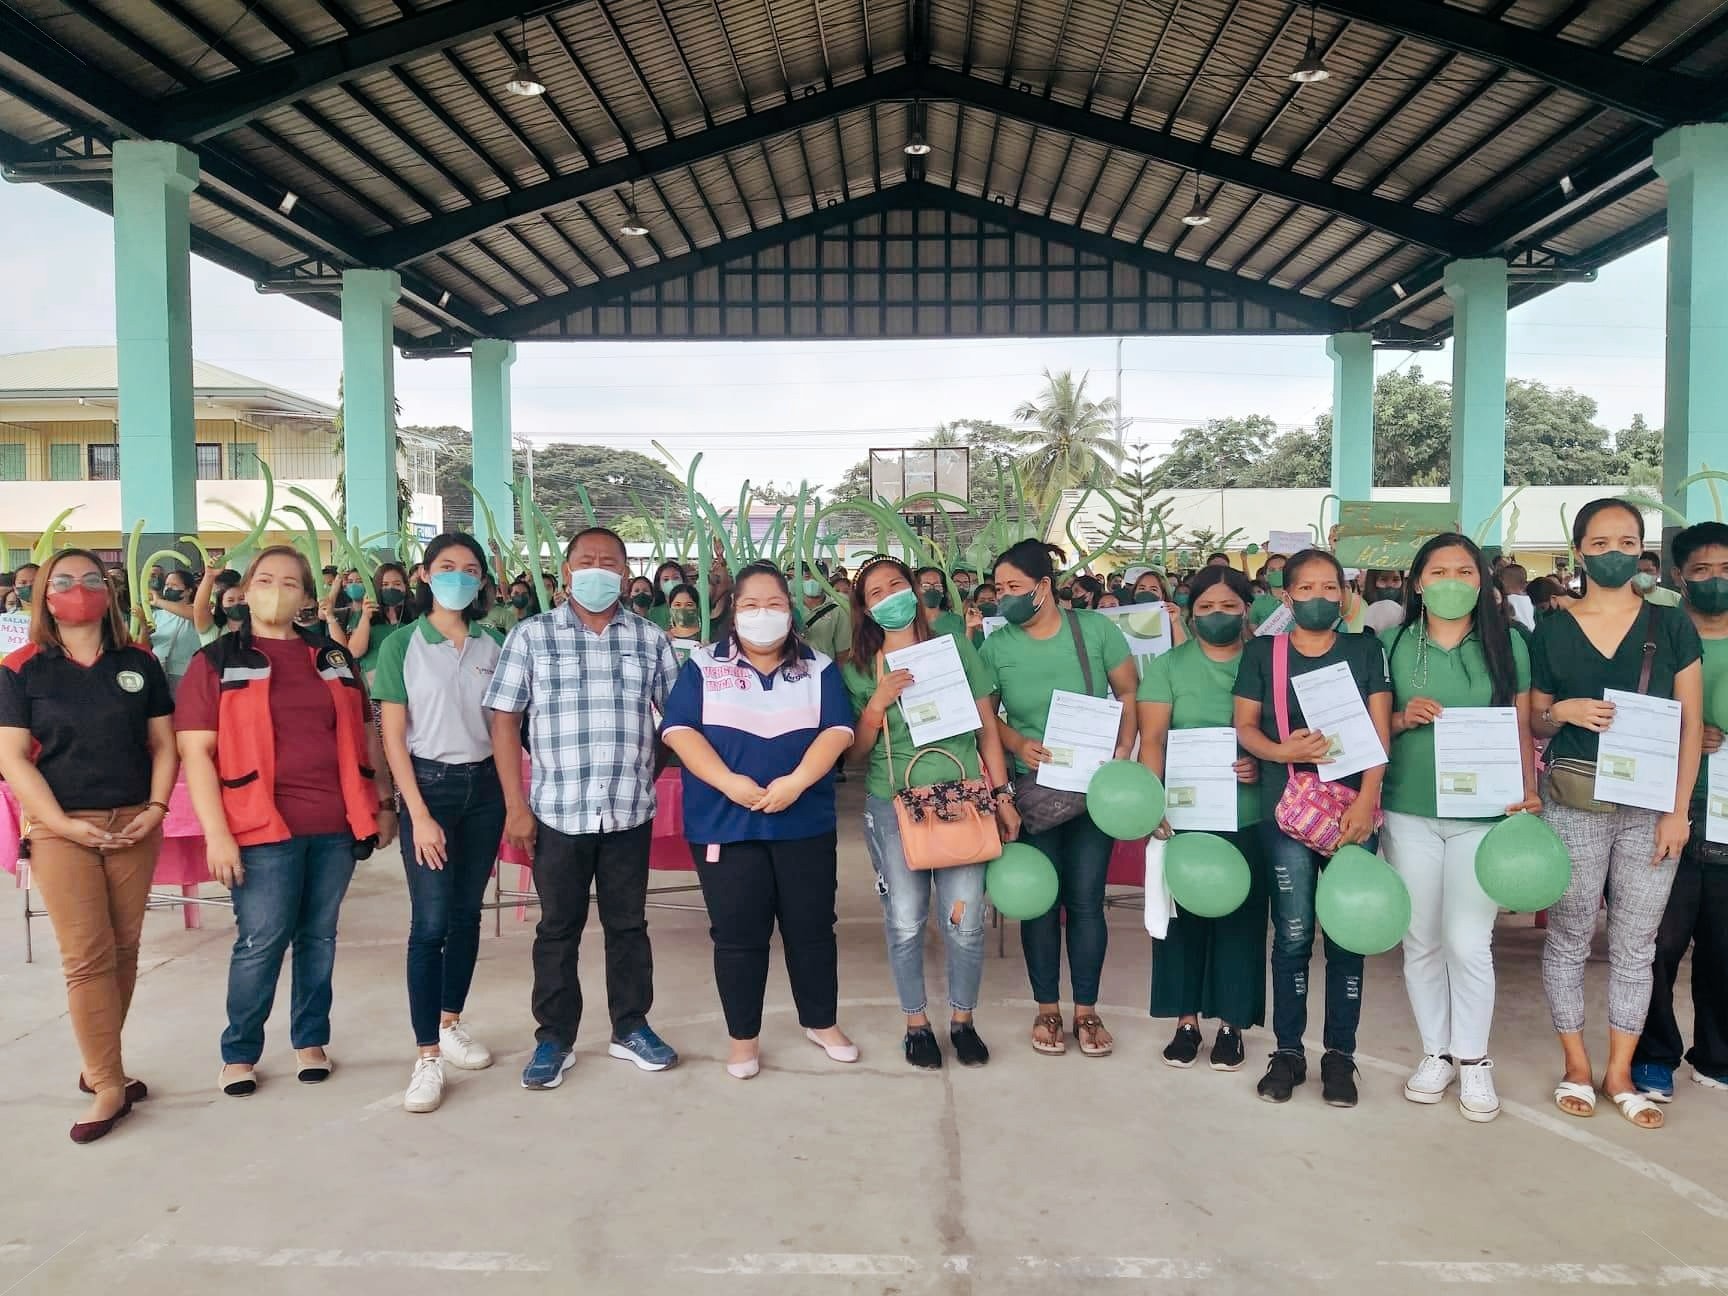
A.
pixel 906 909
pixel 1081 853
pixel 444 903
pixel 1295 871
pixel 290 894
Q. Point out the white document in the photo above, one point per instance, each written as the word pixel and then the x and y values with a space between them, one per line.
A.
pixel 1279 622
pixel 1080 735
pixel 1200 779
pixel 1332 706
pixel 938 703
pixel 1716 799
pixel 1289 543
pixel 992 625
pixel 1478 764
pixel 1638 758
pixel 1146 626
pixel 1160 904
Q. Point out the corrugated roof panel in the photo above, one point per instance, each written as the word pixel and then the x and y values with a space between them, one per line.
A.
pixel 312 187
pixel 1632 210
pixel 1554 138
pixel 1083 26
pixel 855 143
pixel 484 269
pixel 444 86
pixel 112 56
pixel 705 44
pixel 737 215
pixel 382 189
pixel 581 225
pixel 1361 268
pixel 1239 44
pixel 222 24
pixel 1327 118
pixel 429 190
pixel 1358 164
pixel 1114 183
pixel 1494 116
pixel 649 39
pixel 1281 242
pixel 388 91
pixel 243 235
pixel 448 274
pixel 491 65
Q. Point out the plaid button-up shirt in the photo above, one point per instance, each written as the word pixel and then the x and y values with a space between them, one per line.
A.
pixel 590 699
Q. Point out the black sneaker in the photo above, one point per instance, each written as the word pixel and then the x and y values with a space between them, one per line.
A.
pixel 1227 1051
pixel 1183 1048
pixel 1338 1079
pixel 1283 1073
pixel 921 1050
pixel 969 1050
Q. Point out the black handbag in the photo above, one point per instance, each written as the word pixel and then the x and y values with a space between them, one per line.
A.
pixel 1043 808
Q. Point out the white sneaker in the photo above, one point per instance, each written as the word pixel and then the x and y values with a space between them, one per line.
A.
pixel 425 1086
pixel 461 1049
pixel 1430 1081
pixel 1476 1096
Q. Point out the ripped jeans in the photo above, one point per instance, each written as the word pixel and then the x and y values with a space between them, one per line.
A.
pixel 906 908
pixel 1294 873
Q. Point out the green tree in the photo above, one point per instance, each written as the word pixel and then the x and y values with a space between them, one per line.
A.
pixel 1639 446
pixel 1220 454
pixel 1067 439
pixel 1553 439
pixel 1412 430
pixel 610 476
pixel 1296 459
pixel 1135 493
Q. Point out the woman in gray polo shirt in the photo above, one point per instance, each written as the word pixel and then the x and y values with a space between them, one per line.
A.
pixel 431 681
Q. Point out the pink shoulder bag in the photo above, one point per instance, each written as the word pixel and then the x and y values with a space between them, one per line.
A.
pixel 1311 809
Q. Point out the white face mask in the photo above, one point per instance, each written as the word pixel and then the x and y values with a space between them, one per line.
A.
pixel 763 627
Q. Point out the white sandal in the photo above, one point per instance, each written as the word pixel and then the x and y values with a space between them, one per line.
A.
pixel 1633 1104
pixel 1584 1093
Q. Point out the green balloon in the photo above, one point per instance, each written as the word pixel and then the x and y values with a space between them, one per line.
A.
pixel 1252 549
pixel 1125 799
pixel 1523 865
pixel 1021 882
pixel 1206 874
pixel 1361 903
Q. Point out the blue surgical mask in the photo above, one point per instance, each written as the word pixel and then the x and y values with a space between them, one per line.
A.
pixel 812 589
pixel 454 590
pixel 594 588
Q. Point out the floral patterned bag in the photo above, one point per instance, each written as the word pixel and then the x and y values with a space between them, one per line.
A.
pixel 945 824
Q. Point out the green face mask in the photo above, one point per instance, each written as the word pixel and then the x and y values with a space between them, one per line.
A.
pixel 666 587
pixel 987 607
pixel 684 618
pixel 1709 596
pixel 1386 593
pixel 896 611
pixel 173 594
pixel 355 592
pixel 392 597
pixel 1315 613
pixel 1018 609
pixel 1181 600
pixel 520 601
pixel 1450 600
pixel 1219 628
pixel 1148 596
pixel 1275 579
pixel 932 598
pixel 642 600
pixel 1611 570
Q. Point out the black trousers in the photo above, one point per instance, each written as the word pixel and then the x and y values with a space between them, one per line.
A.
pixel 565 868
pixel 1697 915
pixel 750 886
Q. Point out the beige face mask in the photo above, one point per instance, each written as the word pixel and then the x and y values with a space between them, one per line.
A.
pixel 273 604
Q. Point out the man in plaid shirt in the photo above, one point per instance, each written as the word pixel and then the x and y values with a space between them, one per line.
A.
pixel 589 674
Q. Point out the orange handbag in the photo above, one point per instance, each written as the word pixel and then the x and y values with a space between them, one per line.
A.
pixel 945 824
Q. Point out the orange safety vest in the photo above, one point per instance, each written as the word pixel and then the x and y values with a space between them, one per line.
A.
pixel 246 739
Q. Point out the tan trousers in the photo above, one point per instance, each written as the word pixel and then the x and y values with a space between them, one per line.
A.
pixel 96 901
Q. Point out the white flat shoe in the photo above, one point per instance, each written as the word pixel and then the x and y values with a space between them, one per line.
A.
pixel 835 1052
pixel 745 1070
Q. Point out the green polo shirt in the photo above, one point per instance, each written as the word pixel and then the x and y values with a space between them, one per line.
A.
pixel 1453 677
pixel 660 614
pixel 828 629
pixel 1201 694
pixel 1715 667
pixel 443 687
pixel 883 782
pixel 1029 670
pixel 949 623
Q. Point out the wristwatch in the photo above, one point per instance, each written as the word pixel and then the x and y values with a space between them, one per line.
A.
pixel 1004 792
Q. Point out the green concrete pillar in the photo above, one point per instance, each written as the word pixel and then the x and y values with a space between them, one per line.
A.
pixel 1352 414
pixel 369 399
pixel 489 382
pixel 153 184
pixel 1478 293
pixel 1694 162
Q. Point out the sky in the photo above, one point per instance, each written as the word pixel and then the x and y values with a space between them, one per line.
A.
pixel 780 411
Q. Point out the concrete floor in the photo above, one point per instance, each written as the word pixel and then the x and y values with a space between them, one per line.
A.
pixel 1047 1174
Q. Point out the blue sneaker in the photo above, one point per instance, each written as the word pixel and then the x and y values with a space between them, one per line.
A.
pixel 646 1049
pixel 1654 1081
pixel 545 1070
pixel 1717 1081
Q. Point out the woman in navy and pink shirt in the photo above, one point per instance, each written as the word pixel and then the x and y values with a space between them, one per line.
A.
pixel 758 721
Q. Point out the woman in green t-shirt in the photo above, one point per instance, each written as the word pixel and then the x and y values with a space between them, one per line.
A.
pixel 1608 639
pixel 937 610
pixel 668 576
pixel 886 616
pixel 1214 967
pixel 684 620
pixel 1453 648
pixel 1032 656
pixel 372 624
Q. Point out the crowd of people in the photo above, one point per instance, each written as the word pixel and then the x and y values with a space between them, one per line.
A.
pixel 311 732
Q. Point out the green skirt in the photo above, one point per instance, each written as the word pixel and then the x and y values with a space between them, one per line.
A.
pixel 1216 967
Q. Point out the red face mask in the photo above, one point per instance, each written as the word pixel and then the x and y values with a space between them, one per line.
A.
pixel 78 605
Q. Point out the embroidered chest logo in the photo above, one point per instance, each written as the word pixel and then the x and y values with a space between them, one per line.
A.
pixel 130 681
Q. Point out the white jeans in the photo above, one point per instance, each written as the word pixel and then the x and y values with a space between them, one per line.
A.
pixel 1448 951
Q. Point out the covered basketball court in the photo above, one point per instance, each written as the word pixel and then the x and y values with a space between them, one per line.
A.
pixel 452 179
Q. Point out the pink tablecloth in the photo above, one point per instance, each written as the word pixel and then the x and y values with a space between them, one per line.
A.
pixel 180 864
pixel 1127 864
pixel 667 848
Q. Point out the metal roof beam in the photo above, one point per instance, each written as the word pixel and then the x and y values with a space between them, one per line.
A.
pixel 234 100
pixel 1645 93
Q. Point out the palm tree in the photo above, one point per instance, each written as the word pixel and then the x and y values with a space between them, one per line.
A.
pixel 1068 440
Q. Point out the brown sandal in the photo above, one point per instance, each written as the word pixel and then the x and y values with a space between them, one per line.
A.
pixel 1087 1029
pixel 1057 1044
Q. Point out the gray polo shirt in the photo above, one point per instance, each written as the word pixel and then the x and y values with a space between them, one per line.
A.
pixel 444 689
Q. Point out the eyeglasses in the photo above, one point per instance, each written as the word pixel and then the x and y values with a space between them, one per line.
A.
pixel 92 581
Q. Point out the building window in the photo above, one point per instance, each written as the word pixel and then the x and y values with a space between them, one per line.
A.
pixel 209 461
pixel 243 461
pixel 16 558
pixel 63 463
pixel 104 458
pixel 11 463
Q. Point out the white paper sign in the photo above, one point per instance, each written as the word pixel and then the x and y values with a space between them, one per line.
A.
pixel 1289 543
pixel 993 624
pixel 1332 705
pixel 1146 626
pixel 938 703
pixel 1080 735
pixel 1279 622
pixel 1716 799
pixel 1478 763
pixel 1160 904
pixel 14 631
pixel 1638 757
pixel 1200 779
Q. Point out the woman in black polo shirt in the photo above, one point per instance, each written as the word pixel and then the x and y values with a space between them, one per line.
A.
pixel 94 795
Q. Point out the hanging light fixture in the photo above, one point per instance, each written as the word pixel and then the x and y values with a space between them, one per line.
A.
pixel 632 226
pixel 524 82
pixel 1312 68
pixel 916 145
pixel 1198 213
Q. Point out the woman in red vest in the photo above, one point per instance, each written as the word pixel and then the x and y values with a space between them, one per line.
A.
pixel 271 720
